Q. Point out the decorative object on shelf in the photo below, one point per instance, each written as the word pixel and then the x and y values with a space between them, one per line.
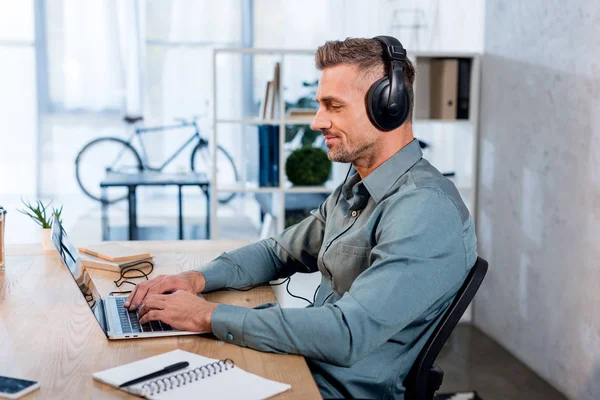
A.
pixel 2 225
pixel 38 213
pixel 308 166
pixel 268 106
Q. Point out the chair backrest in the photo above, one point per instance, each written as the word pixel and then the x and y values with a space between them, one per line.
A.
pixel 417 379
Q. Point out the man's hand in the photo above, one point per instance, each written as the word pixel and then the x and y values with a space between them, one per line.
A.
pixel 182 310
pixel 190 281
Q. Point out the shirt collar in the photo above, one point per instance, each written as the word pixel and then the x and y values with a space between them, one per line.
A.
pixel 381 180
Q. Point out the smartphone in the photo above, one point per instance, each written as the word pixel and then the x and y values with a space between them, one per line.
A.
pixel 13 388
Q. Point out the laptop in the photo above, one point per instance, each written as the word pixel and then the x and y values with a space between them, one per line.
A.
pixel 114 319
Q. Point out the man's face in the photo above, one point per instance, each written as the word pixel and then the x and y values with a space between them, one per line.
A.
pixel 342 116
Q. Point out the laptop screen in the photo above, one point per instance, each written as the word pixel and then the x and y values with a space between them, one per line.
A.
pixel 70 257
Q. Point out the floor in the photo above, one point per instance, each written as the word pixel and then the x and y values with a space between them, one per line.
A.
pixel 472 361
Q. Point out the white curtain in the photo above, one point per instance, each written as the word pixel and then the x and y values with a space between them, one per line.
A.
pixel 100 65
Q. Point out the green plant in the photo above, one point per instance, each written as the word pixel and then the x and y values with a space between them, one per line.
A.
pixel 308 166
pixel 39 214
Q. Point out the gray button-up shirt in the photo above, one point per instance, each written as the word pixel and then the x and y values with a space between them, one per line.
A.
pixel 393 249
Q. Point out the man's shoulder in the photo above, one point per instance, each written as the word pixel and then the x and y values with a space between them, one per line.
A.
pixel 428 187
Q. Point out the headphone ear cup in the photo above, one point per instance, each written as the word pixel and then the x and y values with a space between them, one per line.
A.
pixel 377 99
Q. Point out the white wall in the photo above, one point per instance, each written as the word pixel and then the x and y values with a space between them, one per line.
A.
pixel 539 192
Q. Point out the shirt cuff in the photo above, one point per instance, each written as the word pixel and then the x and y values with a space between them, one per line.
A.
pixel 227 323
pixel 215 274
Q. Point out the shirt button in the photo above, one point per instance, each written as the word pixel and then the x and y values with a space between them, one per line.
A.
pixel 354 213
pixel 229 337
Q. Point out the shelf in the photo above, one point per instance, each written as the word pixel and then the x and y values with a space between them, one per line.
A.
pixel 328 187
pixel 442 121
pixel 247 50
pixel 248 121
pixel 250 187
pixel 309 189
pixel 298 121
pixel 259 121
pixel 441 54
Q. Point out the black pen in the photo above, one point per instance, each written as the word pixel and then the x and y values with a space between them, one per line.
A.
pixel 164 371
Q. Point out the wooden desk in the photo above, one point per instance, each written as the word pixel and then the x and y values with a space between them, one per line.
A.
pixel 48 334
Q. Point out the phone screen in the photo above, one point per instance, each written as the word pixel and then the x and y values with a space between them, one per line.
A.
pixel 14 385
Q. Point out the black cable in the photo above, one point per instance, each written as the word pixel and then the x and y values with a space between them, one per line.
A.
pixel 287 288
pixel 125 276
pixel 262 284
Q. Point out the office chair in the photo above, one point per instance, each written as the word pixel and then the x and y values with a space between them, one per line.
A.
pixel 425 377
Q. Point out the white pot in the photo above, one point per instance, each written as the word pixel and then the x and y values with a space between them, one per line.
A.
pixel 47 244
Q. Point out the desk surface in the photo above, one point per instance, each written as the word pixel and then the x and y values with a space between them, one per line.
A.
pixel 150 178
pixel 48 334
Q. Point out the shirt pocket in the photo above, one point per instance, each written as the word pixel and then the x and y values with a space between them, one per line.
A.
pixel 350 262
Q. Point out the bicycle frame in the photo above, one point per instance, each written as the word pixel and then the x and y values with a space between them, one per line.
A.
pixel 144 155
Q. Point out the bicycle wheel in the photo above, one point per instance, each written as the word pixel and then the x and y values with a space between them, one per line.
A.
pixel 227 173
pixel 100 156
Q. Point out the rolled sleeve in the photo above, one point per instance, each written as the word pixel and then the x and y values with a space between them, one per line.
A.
pixel 228 323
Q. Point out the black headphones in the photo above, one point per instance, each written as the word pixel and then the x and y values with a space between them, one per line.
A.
pixel 388 100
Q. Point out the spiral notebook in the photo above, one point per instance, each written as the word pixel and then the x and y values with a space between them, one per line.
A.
pixel 204 378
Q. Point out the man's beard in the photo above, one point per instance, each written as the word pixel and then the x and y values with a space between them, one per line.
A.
pixel 344 154
pixel 341 154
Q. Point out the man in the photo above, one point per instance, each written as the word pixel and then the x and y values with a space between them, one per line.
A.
pixel 393 243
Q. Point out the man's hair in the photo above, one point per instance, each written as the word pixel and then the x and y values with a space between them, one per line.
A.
pixel 367 54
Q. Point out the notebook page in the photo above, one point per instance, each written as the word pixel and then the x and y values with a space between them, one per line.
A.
pixel 118 375
pixel 233 384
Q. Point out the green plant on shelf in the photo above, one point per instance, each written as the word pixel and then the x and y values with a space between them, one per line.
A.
pixel 308 166
pixel 39 213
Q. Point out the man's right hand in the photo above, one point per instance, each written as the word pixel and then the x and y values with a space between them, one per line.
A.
pixel 189 281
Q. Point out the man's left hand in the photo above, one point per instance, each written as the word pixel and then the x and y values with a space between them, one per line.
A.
pixel 182 310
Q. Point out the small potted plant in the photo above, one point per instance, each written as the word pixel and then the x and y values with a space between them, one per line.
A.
pixel 308 166
pixel 38 213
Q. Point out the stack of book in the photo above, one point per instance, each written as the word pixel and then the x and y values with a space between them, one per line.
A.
pixel 113 256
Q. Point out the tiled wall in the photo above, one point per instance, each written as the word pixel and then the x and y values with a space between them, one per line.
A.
pixel 539 189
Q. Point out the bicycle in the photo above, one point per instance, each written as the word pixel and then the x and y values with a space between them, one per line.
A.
pixel 128 160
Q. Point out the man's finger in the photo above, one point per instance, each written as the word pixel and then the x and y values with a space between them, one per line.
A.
pixel 153 315
pixel 131 296
pixel 152 302
pixel 142 292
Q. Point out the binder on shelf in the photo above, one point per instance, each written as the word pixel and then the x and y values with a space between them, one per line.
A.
pixel 266 100
pixel 443 88
pixel 268 155
pixel 275 92
pixel 464 87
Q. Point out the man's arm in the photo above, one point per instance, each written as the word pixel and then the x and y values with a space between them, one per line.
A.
pixel 294 250
pixel 416 267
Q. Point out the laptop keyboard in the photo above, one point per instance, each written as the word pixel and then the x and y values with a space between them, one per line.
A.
pixel 131 323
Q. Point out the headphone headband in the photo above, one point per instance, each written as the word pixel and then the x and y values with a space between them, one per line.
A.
pixel 392 48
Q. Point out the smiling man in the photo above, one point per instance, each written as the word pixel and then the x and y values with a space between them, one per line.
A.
pixel 393 243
